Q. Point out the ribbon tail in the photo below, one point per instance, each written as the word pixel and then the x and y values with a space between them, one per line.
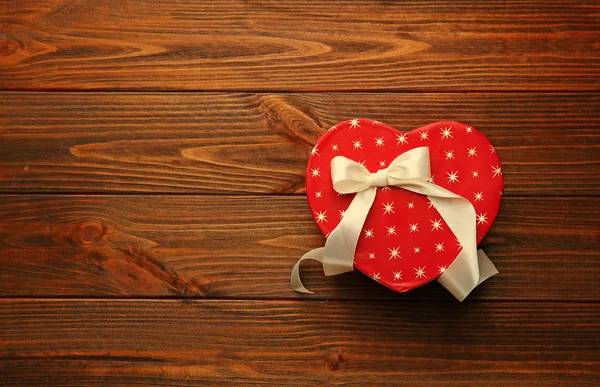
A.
pixel 337 256
pixel 466 273
pixel 295 281
pixel 486 267
pixel 341 244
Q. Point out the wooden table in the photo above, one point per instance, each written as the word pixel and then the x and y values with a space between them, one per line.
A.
pixel 152 198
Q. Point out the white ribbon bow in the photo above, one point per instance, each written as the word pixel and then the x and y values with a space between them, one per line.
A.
pixel 410 171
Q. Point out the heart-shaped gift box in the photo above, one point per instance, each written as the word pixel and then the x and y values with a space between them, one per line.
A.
pixel 405 242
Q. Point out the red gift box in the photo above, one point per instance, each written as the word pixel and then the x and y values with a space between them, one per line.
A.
pixel 405 242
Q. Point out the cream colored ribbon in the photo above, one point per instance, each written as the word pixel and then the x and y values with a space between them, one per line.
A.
pixel 409 171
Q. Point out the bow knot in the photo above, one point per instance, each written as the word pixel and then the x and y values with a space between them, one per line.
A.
pixel 379 178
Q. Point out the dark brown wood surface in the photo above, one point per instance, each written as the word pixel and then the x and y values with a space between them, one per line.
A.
pixel 152 158
pixel 299 45
pixel 259 143
pixel 174 343
pixel 244 247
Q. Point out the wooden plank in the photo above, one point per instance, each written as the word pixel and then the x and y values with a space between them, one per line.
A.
pixel 258 143
pixel 245 247
pixel 170 343
pixel 299 45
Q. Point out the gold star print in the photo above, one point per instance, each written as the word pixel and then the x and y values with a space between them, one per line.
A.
pixel 402 139
pixel 357 145
pixel 388 208
pixel 391 230
pixel 379 141
pixel 420 272
pixel 447 133
pixel 334 147
pixel 424 136
pixel 355 123
pixel 397 275
pixel 436 225
pixel 482 218
pixel 414 228
pixel 439 247
pixel 394 253
pixel 452 177
pixel 321 217
pixel 478 196
pixel 497 171
pixel 449 155
pixel 369 233
pixel 315 172
pixel 472 151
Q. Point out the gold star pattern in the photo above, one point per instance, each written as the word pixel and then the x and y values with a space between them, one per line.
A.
pixel 497 171
pixel 355 123
pixel 436 225
pixel 482 218
pixel 402 139
pixel 388 208
pixel 452 177
pixel 321 217
pixel 394 253
pixel 420 272
pixel 447 133
pixel 391 230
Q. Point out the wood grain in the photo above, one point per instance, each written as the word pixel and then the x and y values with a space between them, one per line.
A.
pixel 173 343
pixel 299 45
pixel 258 143
pixel 245 247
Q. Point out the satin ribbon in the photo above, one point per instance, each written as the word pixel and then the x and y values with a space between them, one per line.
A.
pixel 409 171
